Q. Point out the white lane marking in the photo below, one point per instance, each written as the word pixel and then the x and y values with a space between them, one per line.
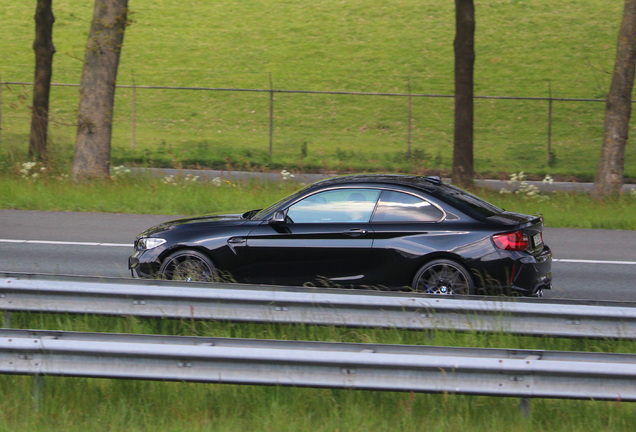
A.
pixel 66 243
pixel 582 261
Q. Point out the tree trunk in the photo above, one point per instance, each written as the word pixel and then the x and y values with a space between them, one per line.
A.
pixel 464 66
pixel 97 89
pixel 44 50
pixel 609 176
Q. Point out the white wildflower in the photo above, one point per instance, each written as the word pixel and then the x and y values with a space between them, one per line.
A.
pixel 119 171
pixel 525 189
pixel 169 180
pixel 286 175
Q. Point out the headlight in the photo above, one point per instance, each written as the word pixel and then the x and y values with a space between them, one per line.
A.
pixel 146 243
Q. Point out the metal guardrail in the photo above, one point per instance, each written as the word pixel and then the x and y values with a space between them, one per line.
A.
pixel 475 371
pixel 253 303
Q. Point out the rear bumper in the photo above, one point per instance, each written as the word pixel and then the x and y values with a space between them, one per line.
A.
pixel 533 274
pixel 514 273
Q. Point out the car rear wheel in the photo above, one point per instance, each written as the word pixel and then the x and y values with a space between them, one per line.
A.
pixel 445 277
pixel 188 265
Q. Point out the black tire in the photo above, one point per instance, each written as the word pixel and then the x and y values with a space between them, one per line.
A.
pixel 444 277
pixel 188 265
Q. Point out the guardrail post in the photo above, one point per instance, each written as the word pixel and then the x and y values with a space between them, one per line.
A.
pixel 36 391
pixel 6 319
pixel 524 407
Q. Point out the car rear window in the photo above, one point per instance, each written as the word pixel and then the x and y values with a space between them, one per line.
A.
pixel 467 202
pixel 397 206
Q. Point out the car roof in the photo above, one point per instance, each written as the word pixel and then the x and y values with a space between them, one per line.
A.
pixel 458 198
pixel 420 182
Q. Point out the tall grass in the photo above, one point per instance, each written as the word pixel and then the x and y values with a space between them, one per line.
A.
pixel 74 404
pixel 183 195
pixel 571 210
pixel 95 404
pixel 140 194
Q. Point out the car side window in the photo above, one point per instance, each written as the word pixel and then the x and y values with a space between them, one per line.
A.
pixel 402 207
pixel 335 206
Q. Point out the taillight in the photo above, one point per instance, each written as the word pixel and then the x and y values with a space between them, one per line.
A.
pixel 514 241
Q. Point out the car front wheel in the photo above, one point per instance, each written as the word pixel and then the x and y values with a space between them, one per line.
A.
pixel 188 265
pixel 443 276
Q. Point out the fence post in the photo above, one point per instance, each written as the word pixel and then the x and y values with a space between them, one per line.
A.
pixel 36 391
pixel 550 158
pixel 271 115
pixel 408 134
pixel 1 111
pixel 134 111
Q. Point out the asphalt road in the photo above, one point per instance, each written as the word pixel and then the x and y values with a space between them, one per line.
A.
pixel 589 264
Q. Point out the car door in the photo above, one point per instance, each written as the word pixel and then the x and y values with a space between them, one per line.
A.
pixel 406 227
pixel 325 239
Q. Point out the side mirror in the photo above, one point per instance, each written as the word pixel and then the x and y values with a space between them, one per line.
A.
pixel 277 218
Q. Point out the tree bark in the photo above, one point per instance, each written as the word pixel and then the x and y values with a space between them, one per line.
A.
pixel 609 175
pixel 44 50
pixel 97 89
pixel 464 68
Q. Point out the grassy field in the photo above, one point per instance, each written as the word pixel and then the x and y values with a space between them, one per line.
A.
pixel 524 49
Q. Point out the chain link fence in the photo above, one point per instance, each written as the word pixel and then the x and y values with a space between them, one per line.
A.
pixel 298 124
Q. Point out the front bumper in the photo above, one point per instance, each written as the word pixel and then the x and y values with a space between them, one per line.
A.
pixel 143 265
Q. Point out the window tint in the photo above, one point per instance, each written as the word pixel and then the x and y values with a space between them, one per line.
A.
pixel 466 202
pixel 338 205
pixel 402 207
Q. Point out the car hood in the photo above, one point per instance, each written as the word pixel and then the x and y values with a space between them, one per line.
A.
pixel 208 221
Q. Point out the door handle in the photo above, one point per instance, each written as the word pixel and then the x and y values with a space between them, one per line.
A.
pixel 236 241
pixel 355 232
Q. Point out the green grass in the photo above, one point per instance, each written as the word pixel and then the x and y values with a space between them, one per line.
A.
pixel 126 193
pixel 523 49
pixel 74 404
pixel 571 210
pixel 142 194
pixel 80 404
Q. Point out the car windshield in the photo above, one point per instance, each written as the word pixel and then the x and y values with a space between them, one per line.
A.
pixel 466 202
pixel 267 211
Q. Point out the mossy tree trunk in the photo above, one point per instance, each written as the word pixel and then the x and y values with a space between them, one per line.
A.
pixel 464 71
pixel 618 109
pixel 97 89
pixel 44 49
